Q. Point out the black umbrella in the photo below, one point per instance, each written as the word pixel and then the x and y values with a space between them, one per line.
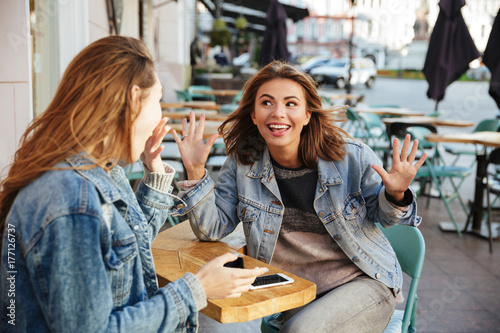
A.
pixel 451 49
pixel 274 43
pixel 491 59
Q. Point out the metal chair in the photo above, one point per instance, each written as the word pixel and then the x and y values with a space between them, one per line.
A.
pixel 409 245
pixel 376 136
pixel 492 186
pixel 192 90
pixel 183 96
pixel 485 125
pixel 436 172
pixel 228 108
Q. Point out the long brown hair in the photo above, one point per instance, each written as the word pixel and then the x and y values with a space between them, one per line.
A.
pixel 321 137
pixel 91 111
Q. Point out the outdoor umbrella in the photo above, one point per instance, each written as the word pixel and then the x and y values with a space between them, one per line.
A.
pixel 274 43
pixel 450 51
pixel 491 59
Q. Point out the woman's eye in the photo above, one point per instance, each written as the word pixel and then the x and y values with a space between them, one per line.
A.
pixel 266 103
pixel 291 104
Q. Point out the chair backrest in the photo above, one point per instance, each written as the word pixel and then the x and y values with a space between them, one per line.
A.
pixel 237 97
pixel 488 125
pixel 409 245
pixel 373 123
pixel 198 96
pixel 183 96
pixel 351 114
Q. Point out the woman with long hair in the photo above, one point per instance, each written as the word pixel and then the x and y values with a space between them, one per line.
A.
pixel 76 246
pixel 308 196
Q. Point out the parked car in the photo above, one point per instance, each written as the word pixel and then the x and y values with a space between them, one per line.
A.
pixel 314 62
pixel 336 72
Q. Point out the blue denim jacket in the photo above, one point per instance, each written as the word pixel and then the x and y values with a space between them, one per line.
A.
pixel 76 257
pixel 349 200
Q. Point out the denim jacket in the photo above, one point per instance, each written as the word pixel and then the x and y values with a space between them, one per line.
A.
pixel 349 199
pixel 76 256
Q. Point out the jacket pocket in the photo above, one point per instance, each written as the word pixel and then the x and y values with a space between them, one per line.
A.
pixel 247 214
pixel 354 212
pixel 120 265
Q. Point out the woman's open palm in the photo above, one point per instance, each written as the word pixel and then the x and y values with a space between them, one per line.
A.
pixel 403 170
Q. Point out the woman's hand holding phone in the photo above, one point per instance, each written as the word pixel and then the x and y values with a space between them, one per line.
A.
pixel 225 282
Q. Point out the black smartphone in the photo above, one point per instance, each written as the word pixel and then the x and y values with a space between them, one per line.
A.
pixel 238 263
pixel 270 281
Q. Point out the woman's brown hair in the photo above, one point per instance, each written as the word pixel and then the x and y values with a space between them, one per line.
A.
pixel 91 111
pixel 320 138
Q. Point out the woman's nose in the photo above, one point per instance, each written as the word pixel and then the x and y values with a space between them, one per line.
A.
pixel 280 110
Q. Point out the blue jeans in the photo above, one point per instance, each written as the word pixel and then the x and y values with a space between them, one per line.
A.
pixel 362 305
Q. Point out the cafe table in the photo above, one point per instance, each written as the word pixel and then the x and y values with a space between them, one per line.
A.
pixel 488 139
pixel 211 128
pixel 177 251
pixel 218 92
pixel 392 112
pixel 436 121
pixel 205 105
pixel 209 114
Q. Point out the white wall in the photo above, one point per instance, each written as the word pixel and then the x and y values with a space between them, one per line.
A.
pixel 175 33
pixel 15 77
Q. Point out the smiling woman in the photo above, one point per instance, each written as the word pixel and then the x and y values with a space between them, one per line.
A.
pixel 308 196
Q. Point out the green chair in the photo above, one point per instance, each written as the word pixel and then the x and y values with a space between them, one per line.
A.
pixel 436 172
pixel 228 108
pixel 375 135
pixel 354 125
pixel 196 96
pixel 183 96
pixel 485 125
pixel 134 171
pixel 409 245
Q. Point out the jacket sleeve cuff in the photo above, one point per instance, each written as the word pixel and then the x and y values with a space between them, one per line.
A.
pixel 158 180
pixel 392 209
pixel 199 296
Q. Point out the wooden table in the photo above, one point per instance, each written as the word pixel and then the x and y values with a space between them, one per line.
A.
pixel 205 105
pixel 218 92
pixel 429 120
pixel 345 97
pixel 209 115
pixel 396 112
pixel 490 139
pixel 211 128
pixel 177 251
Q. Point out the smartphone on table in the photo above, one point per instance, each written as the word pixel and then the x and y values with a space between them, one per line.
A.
pixel 270 280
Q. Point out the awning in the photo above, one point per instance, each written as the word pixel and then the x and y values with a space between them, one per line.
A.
pixel 253 10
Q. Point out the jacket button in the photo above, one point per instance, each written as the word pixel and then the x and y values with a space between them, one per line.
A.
pixel 136 227
pixel 377 276
pixel 179 206
pixel 321 214
pixel 355 259
pixel 337 237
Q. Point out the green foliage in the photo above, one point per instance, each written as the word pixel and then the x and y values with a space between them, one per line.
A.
pixel 219 34
pixel 241 23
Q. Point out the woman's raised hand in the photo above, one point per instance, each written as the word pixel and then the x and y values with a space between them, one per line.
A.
pixel 224 282
pixel 403 170
pixel 151 154
pixel 194 151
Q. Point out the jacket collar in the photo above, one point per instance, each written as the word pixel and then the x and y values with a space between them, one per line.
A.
pixel 328 173
pixel 105 184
